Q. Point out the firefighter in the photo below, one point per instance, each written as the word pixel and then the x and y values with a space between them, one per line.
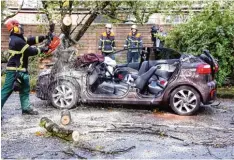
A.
pixel 133 40
pixel 17 77
pixel 158 37
pixel 107 42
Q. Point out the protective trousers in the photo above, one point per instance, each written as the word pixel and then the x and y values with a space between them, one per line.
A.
pixel 132 56
pixel 7 89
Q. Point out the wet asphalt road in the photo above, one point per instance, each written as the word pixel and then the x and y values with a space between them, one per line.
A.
pixel 120 132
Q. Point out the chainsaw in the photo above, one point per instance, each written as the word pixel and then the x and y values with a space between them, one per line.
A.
pixel 53 41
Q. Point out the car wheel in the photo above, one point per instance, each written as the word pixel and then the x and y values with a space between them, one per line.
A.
pixel 185 100
pixel 64 95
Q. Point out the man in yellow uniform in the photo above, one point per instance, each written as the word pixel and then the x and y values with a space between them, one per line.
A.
pixel 134 43
pixel 107 42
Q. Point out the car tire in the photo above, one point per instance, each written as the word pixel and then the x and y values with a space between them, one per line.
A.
pixel 185 100
pixel 64 94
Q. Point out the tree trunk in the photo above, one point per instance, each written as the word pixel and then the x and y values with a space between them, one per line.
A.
pixel 92 17
pixel 66 25
pixel 58 131
pixel 65 117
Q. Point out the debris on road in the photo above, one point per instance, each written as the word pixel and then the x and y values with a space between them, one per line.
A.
pixel 58 131
pixel 65 117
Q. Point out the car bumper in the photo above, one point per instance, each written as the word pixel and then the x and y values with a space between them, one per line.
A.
pixel 211 93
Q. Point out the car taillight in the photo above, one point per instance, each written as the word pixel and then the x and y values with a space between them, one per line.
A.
pixel 204 69
pixel 213 94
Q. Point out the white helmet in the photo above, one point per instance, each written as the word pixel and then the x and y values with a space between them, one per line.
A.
pixel 134 27
pixel 108 25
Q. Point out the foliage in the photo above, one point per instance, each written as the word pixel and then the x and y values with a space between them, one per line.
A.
pixel 4 56
pixel 6 14
pixel 112 11
pixel 212 29
pixel 33 71
pixel 226 92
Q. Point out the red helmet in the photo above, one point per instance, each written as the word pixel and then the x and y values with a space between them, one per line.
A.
pixel 11 23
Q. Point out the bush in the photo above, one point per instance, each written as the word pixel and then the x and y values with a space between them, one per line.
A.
pixel 212 29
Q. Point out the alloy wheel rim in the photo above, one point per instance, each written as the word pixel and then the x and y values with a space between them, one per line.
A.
pixel 185 101
pixel 62 96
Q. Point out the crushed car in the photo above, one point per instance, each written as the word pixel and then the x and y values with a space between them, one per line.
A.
pixel 182 81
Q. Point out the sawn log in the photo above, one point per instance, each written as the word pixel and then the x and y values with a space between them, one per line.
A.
pixel 58 131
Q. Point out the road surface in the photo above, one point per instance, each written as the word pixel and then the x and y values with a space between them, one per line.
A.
pixel 119 132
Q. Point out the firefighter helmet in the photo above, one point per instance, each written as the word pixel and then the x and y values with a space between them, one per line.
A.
pixel 134 27
pixel 12 24
pixel 108 25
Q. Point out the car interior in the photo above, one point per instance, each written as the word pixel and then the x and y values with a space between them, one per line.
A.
pixel 149 77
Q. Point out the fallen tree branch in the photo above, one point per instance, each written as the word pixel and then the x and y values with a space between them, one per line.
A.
pixel 136 130
pixel 70 153
pixel 89 21
pixel 79 23
pixel 58 131
pixel 107 152
pixel 212 153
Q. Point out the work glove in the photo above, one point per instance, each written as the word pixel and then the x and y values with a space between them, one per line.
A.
pixel 44 49
pixel 49 37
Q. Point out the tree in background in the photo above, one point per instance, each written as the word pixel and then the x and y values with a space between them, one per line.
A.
pixel 6 14
pixel 212 29
pixel 114 11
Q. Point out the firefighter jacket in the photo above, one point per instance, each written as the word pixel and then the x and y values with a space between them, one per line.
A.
pixel 133 41
pixel 20 50
pixel 107 42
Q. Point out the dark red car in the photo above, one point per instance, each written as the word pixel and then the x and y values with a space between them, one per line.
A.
pixel 182 81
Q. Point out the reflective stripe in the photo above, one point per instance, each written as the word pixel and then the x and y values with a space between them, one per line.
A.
pixel 103 46
pixel 19 52
pixel 38 51
pixel 16 69
pixel 21 60
pixel 24 48
pixel 37 39
pixel 14 52
pixel 22 56
pixel 26 39
pixel 108 51
pixel 108 40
